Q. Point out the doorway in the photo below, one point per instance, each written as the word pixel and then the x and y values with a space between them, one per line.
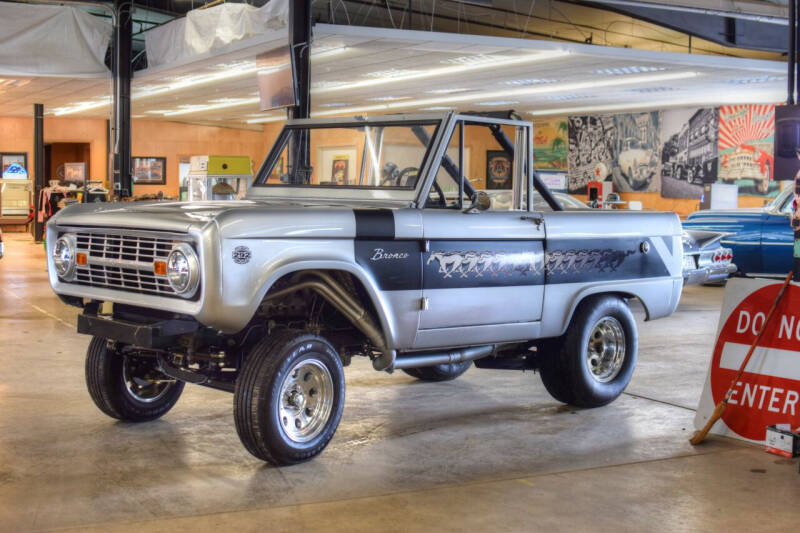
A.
pixel 67 162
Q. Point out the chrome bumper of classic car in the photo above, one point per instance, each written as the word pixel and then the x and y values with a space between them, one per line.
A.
pixel 707 274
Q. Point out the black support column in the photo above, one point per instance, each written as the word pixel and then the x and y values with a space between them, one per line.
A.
pixel 122 72
pixel 38 167
pixel 300 42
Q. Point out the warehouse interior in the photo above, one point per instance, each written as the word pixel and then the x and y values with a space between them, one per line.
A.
pixel 131 119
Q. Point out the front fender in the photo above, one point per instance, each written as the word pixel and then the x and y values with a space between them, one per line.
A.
pixel 243 286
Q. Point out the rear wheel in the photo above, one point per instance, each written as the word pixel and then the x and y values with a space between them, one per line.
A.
pixel 593 362
pixel 444 372
pixel 289 397
pixel 128 386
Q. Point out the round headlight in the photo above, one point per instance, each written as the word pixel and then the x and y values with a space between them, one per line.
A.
pixel 183 270
pixel 64 257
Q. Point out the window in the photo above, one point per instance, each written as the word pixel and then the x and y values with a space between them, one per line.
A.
pixel 488 165
pixel 361 156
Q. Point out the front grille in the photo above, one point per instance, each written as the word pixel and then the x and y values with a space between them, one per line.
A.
pixel 123 261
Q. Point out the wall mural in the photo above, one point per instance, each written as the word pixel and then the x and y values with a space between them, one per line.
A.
pixel 623 148
pixel 638 149
pixel 746 135
pixel 688 151
pixel 591 150
pixel 550 144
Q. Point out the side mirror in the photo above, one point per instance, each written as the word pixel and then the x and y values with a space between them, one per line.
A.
pixel 480 202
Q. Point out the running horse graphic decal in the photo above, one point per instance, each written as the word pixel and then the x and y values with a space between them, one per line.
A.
pixel 478 264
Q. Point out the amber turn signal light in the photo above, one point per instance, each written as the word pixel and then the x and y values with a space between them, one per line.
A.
pixel 160 268
pixel 81 259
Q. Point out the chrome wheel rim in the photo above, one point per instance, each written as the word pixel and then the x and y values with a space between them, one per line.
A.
pixel 605 351
pixel 142 381
pixel 306 400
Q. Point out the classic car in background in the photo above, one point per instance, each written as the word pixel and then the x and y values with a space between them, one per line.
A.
pixel 761 237
pixel 705 260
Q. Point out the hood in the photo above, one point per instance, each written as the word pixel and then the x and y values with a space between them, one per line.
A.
pixel 243 219
pixel 165 216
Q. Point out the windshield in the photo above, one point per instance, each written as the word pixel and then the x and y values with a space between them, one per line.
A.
pixel 782 202
pixel 567 202
pixel 385 156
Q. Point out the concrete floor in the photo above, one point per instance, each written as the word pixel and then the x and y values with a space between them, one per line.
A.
pixel 489 451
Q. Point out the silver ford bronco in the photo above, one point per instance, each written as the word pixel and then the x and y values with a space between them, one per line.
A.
pixel 371 237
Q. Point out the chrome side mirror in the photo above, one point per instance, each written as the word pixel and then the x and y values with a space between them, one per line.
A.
pixel 480 202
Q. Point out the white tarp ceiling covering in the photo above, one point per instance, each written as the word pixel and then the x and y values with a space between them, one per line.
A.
pixel 52 41
pixel 204 30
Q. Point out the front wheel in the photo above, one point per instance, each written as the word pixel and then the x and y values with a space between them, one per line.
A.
pixel 593 362
pixel 445 372
pixel 128 386
pixel 289 397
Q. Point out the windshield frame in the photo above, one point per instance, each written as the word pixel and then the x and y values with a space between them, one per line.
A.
pixel 260 189
pixel 777 204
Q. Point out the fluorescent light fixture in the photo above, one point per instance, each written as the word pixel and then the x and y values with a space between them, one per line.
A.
pixel 759 79
pixel 243 68
pixel 498 102
pixel 267 118
pixel 448 91
pixel 233 102
pixel 81 106
pixel 444 71
pixel 351 110
pixel 569 96
pixel 749 98
pixel 387 98
pixel 392 73
pixel 528 82
pixel 549 88
pixel 624 71
pixel 475 59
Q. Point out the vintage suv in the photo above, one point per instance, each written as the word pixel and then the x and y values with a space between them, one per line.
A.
pixel 363 236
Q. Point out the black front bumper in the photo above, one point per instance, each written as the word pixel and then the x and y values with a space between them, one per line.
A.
pixel 146 334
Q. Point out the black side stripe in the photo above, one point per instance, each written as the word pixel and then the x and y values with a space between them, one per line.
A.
pixel 374 224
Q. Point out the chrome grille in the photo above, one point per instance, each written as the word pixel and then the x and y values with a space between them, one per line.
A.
pixel 123 261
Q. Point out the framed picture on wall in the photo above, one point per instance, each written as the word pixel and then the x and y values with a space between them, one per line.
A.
pixel 337 165
pixel 499 170
pixel 150 170
pixel 339 169
pixel 14 166
pixel 75 173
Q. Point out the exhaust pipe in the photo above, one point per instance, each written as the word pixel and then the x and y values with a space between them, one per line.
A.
pixel 442 358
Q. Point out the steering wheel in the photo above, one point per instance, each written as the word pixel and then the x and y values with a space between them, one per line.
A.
pixel 393 178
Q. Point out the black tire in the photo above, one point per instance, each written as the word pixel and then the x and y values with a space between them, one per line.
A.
pixel 564 364
pixel 445 372
pixel 258 398
pixel 107 384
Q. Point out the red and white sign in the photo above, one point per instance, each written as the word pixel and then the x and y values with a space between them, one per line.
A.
pixel 768 392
